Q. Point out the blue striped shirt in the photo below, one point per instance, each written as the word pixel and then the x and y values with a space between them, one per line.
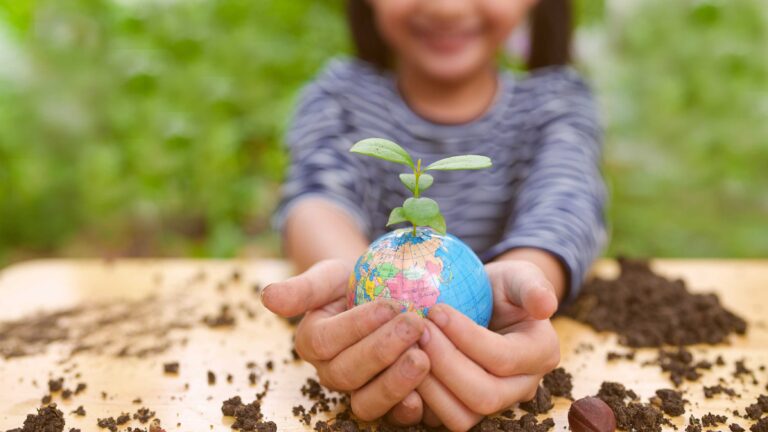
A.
pixel 545 189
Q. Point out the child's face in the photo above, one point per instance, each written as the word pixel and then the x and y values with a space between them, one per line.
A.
pixel 447 40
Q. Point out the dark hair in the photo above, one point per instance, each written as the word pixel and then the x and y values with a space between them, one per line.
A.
pixel 550 26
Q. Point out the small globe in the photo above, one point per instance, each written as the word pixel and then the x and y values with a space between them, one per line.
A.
pixel 421 270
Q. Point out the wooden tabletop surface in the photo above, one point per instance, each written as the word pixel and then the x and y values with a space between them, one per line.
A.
pixel 186 290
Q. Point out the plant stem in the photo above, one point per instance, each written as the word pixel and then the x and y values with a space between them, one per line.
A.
pixel 416 174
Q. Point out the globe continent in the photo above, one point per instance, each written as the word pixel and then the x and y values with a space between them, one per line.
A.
pixel 421 270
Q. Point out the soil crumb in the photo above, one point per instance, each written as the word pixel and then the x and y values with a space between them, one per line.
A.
pixel 559 383
pixel 670 401
pixel 248 417
pixel 541 402
pixel 710 420
pixel 681 366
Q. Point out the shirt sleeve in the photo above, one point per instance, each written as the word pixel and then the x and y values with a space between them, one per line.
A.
pixel 321 165
pixel 559 204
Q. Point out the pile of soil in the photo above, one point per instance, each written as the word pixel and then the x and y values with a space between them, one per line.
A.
pixel 648 310
pixel 631 415
pixel 48 419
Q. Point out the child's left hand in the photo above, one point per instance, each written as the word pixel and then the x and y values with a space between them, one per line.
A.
pixel 477 371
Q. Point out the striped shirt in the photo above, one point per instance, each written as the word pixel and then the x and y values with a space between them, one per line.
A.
pixel 545 189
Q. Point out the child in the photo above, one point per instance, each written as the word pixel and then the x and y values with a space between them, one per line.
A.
pixel 426 77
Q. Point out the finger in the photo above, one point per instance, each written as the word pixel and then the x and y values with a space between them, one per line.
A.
pixel 392 386
pixel 501 355
pixel 429 418
pixel 321 284
pixel 444 407
pixel 407 412
pixel 355 366
pixel 480 391
pixel 323 334
pixel 526 286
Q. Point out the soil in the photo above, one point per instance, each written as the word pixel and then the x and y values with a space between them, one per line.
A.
pixel 614 355
pixel 79 411
pixel 225 318
pixel 48 419
pixel 631 415
pixel 107 423
pixel 756 410
pixel 711 391
pixel 55 385
pixel 540 404
pixel 144 415
pixel 507 422
pixel 735 428
pixel 694 425
pixel 648 310
pixel 670 401
pixel 559 383
pixel 681 366
pixel 741 370
pixel 248 417
pixel 709 420
pixel 760 426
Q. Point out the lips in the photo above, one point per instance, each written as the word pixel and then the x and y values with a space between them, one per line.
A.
pixel 447 41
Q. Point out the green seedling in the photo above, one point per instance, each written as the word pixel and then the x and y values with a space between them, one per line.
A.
pixel 418 210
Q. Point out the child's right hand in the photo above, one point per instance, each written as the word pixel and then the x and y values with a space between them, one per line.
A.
pixel 350 348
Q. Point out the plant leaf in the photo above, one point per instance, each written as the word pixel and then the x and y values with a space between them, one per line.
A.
pixel 438 223
pixel 383 149
pixel 465 162
pixel 397 215
pixel 420 211
pixel 409 180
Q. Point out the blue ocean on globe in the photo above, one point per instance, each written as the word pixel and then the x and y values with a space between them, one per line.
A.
pixel 421 270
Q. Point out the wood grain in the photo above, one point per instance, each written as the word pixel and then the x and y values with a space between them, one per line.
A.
pixel 57 284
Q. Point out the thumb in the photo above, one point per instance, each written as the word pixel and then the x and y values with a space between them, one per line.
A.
pixel 321 284
pixel 526 286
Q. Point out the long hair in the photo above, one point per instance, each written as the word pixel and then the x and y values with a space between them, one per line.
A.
pixel 550 37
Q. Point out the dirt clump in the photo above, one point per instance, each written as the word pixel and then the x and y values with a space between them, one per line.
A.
pixel 649 310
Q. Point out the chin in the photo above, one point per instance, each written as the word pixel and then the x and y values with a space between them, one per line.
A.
pixel 453 69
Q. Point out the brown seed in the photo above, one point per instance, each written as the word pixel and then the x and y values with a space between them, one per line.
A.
pixel 591 414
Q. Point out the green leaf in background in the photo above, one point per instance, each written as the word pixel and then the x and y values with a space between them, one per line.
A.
pixel 465 162
pixel 421 211
pixel 409 180
pixel 438 223
pixel 383 149
pixel 397 215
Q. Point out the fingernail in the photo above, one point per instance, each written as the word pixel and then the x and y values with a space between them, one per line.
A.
pixel 385 312
pixel 264 291
pixel 409 369
pixel 424 339
pixel 438 317
pixel 405 329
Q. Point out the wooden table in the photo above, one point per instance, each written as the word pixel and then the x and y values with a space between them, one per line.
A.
pixel 187 402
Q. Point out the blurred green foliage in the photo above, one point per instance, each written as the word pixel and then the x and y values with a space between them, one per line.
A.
pixel 685 86
pixel 149 127
pixel 152 127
